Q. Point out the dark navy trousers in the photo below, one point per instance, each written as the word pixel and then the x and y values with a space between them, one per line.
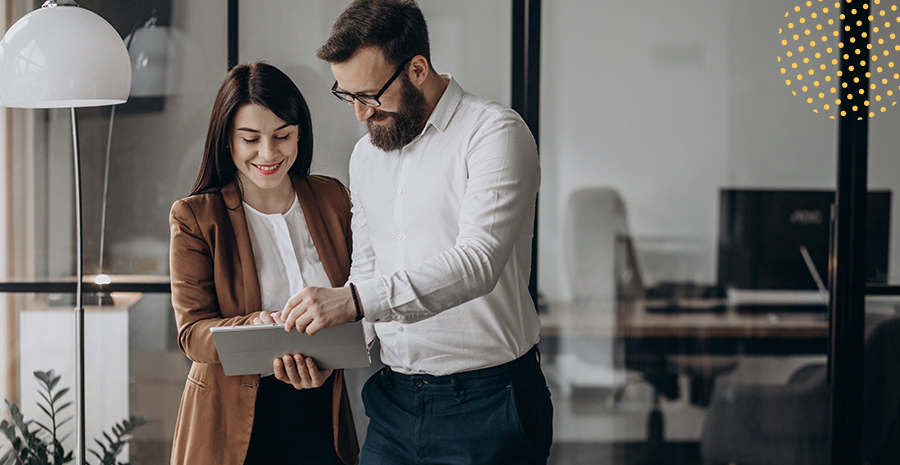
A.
pixel 498 415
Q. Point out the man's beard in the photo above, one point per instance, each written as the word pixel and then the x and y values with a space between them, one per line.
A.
pixel 406 123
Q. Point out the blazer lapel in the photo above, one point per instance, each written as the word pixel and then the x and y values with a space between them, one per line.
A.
pixel 235 208
pixel 316 224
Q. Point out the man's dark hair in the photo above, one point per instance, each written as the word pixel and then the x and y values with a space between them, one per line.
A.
pixel 264 85
pixel 397 27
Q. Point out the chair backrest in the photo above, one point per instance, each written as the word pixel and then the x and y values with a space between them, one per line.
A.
pixel 595 218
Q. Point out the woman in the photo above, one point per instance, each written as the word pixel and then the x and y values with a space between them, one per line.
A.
pixel 256 229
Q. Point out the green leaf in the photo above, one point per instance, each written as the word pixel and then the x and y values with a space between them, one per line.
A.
pixel 9 458
pixel 59 394
pixel 43 376
pixel 45 410
pixel 63 406
pixel 10 433
pixel 53 381
pixel 102 446
pixel 47 430
pixel 46 399
pixel 60 423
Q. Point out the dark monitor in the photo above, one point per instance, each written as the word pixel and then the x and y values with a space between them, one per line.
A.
pixel 761 231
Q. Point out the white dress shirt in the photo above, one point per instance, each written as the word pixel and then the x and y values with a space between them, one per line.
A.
pixel 286 258
pixel 442 232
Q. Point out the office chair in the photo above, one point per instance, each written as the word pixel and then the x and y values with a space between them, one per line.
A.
pixel 788 425
pixel 588 356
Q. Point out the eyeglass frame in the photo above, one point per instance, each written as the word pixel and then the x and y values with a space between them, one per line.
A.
pixel 348 97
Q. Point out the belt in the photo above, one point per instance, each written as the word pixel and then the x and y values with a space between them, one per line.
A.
pixel 531 359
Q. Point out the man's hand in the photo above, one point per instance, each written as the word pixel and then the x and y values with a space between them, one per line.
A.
pixel 299 371
pixel 316 308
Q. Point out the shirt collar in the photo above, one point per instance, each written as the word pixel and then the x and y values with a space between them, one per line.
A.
pixel 446 106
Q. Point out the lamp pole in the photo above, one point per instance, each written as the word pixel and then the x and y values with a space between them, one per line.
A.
pixel 79 308
pixel 62 56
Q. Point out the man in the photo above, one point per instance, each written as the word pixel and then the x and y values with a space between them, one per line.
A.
pixel 443 189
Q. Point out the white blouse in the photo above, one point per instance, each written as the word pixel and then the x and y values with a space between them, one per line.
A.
pixel 286 258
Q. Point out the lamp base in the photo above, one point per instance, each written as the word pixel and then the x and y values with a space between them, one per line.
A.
pixel 88 299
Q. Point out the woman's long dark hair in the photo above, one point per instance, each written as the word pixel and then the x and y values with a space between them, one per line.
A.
pixel 264 85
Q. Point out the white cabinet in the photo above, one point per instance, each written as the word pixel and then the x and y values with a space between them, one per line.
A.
pixel 47 341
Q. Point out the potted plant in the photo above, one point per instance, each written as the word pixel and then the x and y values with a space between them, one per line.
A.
pixel 42 445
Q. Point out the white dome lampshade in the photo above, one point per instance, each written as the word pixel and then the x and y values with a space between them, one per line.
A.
pixel 63 56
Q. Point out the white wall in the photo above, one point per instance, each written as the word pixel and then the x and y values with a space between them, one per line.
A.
pixel 669 101
pixel 633 96
pixel 287 33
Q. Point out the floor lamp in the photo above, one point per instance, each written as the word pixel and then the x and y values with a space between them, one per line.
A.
pixel 63 56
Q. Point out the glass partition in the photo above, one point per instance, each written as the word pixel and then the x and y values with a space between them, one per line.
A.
pixel 881 375
pixel 684 321
pixel 135 162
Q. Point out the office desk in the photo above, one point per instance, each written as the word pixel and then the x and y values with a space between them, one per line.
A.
pixel 705 344
pixel 697 343
pixel 717 333
pixel 704 341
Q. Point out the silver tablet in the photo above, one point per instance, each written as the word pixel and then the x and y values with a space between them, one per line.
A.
pixel 250 349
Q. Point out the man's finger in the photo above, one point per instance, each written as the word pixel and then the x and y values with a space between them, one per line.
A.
pixel 292 302
pixel 303 322
pixel 313 327
pixel 290 317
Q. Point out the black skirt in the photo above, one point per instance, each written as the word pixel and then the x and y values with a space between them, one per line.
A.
pixel 292 426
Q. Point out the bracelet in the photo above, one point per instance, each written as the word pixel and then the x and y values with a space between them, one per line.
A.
pixel 359 315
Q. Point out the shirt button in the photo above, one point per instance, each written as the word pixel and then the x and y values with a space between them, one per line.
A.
pixel 399 237
pixel 399 191
pixel 400 329
pixel 407 370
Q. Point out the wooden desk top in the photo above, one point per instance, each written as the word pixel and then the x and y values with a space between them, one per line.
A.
pixel 633 320
pixel 630 319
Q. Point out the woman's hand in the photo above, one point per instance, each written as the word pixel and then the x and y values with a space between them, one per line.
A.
pixel 299 371
pixel 267 318
pixel 296 370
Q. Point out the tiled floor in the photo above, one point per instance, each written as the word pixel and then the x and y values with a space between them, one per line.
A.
pixel 591 428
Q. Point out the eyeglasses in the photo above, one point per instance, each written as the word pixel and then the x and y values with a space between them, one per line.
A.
pixel 368 100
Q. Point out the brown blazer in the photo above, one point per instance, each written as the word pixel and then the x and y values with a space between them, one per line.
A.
pixel 215 283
